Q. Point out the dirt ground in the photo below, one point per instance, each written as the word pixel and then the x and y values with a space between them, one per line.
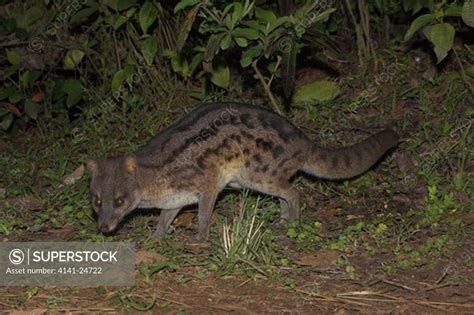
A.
pixel 321 286
pixel 371 253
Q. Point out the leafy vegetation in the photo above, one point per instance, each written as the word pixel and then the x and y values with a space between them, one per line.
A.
pixel 245 243
pixel 60 56
pixel 96 78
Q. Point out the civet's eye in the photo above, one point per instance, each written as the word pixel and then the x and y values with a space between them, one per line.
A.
pixel 118 202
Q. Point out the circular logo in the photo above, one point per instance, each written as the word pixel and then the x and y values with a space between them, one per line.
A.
pixel 16 256
pixel 285 44
pixel 36 45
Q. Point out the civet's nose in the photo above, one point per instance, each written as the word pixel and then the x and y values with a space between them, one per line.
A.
pixel 105 228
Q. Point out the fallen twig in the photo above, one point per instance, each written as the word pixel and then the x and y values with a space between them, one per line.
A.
pixel 396 284
pixel 436 287
pixel 359 295
pixel 445 273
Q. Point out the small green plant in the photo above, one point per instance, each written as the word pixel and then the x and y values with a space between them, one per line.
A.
pixel 245 243
pixel 435 25
pixel 348 267
pixel 289 282
pixel 349 238
pixel 252 32
pixel 46 75
pixel 53 302
pixel 147 271
pixel 306 235
pixel 408 256
pixel 439 203
pixel 135 301
pixel 201 275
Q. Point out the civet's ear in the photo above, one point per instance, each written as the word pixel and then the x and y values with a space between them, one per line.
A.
pixel 92 166
pixel 131 164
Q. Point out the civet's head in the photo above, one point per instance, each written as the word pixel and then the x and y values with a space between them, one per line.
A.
pixel 114 189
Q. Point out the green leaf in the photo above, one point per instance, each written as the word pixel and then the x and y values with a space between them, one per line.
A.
pixel 168 53
pixel 116 20
pixel 148 14
pixel 29 76
pixel 119 78
pixel 7 121
pixel 212 46
pixel 7 92
pixel 130 13
pixel 227 9
pixel 31 109
pixel 250 54
pixel 13 57
pixel 277 23
pixel 33 14
pixel 453 11
pixel 228 22
pixel 276 34
pixel 237 14
pixel 245 32
pixel 195 62
pixel 265 15
pixel 242 42
pixel 73 89
pixel 8 26
pixel 11 70
pixel 199 49
pixel 72 59
pixel 186 27
pixel 442 37
pixel 15 97
pixel 119 21
pixel 220 74
pixel 288 67
pixel 323 16
pixel 184 4
pixel 304 11
pixel 180 65
pixel 149 49
pixel 409 5
pixel 292 233
pixel 125 4
pixel 350 270
pixel 117 5
pixel 467 13
pixel 316 92
pixel 305 17
pixel 82 15
pixel 253 24
pixel 418 23
pixel 226 41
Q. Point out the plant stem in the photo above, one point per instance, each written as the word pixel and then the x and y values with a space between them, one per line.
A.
pixel 463 74
pixel 360 46
pixel 119 66
pixel 266 87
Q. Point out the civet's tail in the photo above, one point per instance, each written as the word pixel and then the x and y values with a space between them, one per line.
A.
pixel 349 161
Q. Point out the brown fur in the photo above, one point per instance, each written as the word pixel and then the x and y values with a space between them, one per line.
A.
pixel 218 145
